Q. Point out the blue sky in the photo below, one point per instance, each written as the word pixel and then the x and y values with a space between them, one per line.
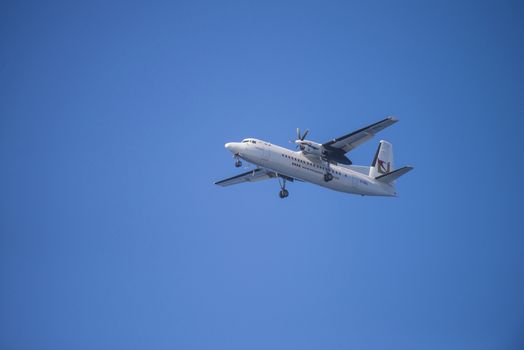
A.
pixel 113 117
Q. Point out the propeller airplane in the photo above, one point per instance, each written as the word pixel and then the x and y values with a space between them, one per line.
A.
pixel 324 164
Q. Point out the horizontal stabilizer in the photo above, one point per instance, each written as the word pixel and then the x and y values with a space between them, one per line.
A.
pixel 393 175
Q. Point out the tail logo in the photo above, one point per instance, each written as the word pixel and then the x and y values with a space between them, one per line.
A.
pixel 383 167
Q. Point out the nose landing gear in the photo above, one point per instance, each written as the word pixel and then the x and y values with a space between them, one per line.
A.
pixel 238 163
pixel 283 192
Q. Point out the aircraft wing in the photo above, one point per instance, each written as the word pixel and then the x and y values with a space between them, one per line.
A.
pixel 254 175
pixel 249 176
pixel 350 141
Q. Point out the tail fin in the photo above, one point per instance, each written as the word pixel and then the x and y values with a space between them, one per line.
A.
pixel 383 161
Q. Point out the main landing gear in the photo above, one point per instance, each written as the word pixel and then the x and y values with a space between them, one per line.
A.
pixel 328 177
pixel 283 192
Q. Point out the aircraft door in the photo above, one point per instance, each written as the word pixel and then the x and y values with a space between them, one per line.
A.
pixel 265 153
pixel 354 182
pixel 262 152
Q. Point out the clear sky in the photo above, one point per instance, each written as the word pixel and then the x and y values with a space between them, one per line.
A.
pixel 113 119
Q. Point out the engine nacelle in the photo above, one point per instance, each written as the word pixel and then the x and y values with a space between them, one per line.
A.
pixel 310 147
pixel 329 154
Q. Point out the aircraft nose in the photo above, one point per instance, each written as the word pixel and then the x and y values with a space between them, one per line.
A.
pixel 232 147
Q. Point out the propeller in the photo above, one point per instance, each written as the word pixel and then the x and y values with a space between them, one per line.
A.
pixel 301 138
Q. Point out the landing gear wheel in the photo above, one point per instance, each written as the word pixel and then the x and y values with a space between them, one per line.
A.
pixel 283 194
pixel 328 177
pixel 238 163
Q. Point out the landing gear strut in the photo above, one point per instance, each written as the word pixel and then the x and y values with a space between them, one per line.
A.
pixel 283 192
pixel 328 176
pixel 238 163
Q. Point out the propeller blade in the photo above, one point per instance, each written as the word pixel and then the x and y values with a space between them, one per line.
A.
pixel 298 134
pixel 304 136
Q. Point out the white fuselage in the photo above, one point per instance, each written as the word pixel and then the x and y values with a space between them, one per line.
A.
pixel 310 168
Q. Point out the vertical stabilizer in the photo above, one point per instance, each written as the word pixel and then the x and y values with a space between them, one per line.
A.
pixel 383 161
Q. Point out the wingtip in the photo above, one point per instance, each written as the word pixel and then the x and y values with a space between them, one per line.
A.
pixel 393 119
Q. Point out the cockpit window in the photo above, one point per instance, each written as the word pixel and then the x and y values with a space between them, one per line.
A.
pixel 252 141
pixel 245 141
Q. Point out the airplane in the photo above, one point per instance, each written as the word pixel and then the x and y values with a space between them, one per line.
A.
pixel 324 164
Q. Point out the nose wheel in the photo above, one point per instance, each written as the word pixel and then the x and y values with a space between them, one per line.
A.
pixel 283 192
pixel 238 163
